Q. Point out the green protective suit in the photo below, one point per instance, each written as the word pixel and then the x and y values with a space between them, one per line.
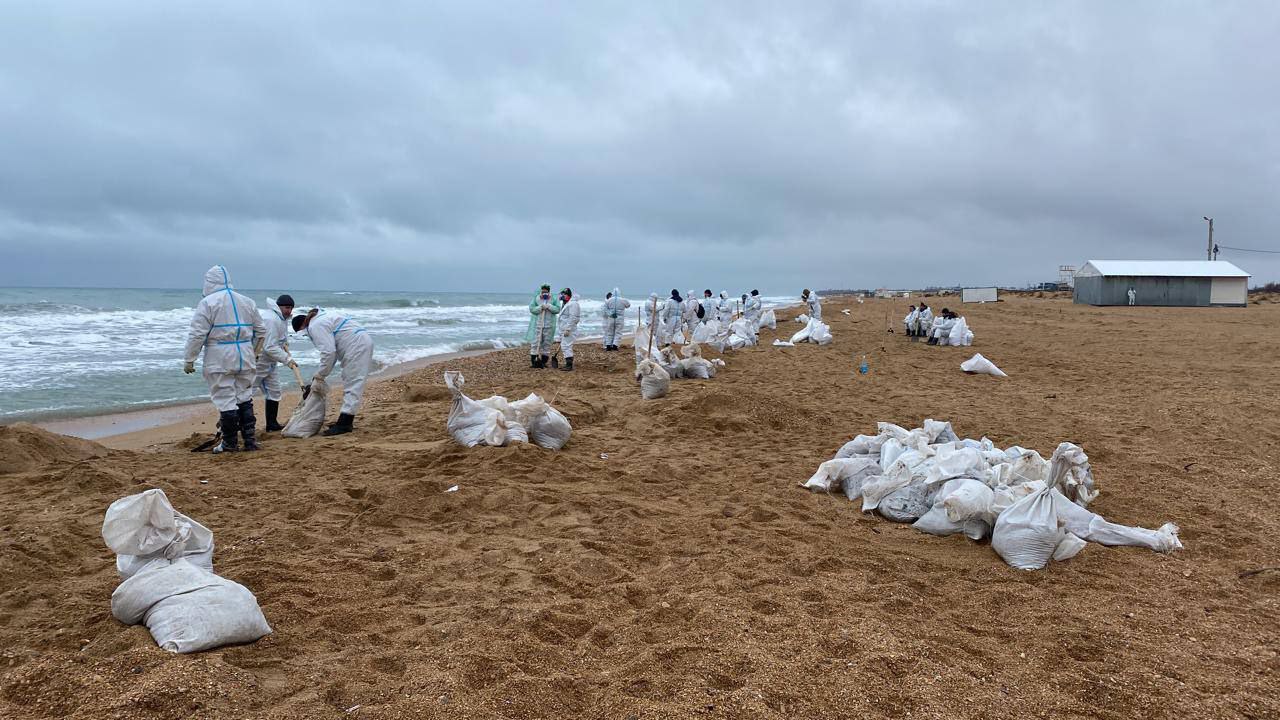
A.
pixel 540 342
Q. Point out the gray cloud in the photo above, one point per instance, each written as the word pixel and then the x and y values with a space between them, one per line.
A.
pixel 648 144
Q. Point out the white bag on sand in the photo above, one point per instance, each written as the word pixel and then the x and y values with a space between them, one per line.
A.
pixel 547 427
pixel 691 350
pixel 768 320
pixel 698 368
pixel 783 343
pixel 188 609
pixel 960 335
pixel 906 504
pixel 145 527
pixel 843 474
pixel 821 333
pixel 968 499
pixel 979 365
pixel 802 318
pixel 654 381
pixel 308 415
pixel 471 423
pixel 166 562
pixel 862 445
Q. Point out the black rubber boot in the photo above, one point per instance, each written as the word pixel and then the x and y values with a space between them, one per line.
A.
pixel 341 427
pixel 248 424
pixel 542 362
pixel 533 362
pixel 568 365
pixel 273 416
pixel 229 423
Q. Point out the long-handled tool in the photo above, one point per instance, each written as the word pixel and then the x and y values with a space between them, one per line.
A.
pixel 306 388
pixel 653 319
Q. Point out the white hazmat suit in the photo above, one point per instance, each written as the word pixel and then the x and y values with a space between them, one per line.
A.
pixel 226 326
pixel 724 309
pixel 671 314
pixel 690 314
pixel 815 306
pixel 752 310
pixel 570 315
pixel 614 314
pixel 343 342
pixel 274 352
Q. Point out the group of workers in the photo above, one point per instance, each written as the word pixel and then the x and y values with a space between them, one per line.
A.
pixel 556 319
pixel 243 347
pixel 921 322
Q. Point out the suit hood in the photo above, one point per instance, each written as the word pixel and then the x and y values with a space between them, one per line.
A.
pixel 216 278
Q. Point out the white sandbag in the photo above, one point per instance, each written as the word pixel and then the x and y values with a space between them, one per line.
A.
pixel 654 381
pixel 802 318
pixel 953 463
pixel 840 474
pixel 698 368
pixel 308 415
pixel 1069 471
pixel 1068 547
pixel 705 332
pixel 691 350
pixel 669 359
pixel 1092 527
pixel 937 522
pixel 783 343
pixel 768 320
pixel 547 427
pixel 890 449
pixel 144 527
pixel 740 330
pixel 1026 534
pixel 895 478
pixel 862 445
pixel 471 423
pixel 979 365
pixel 906 504
pixel 896 432
pixel 188 609
pixel 847 311
pixel 1028 467
pixel 717 362
pixel 821 333
pixel 939 431
pixel 968 499
pixel 960 335
pixel 643 347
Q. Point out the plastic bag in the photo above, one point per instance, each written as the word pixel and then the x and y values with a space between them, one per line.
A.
pixel 144 527
pixel 843 474
pixel 979 365
pixel 547 427
pixel 471 423
pixel 968 499
pixel 691 350
pixel 960 335
pixel 768 320
pixel 802 318
pixel 820 333
pixel 187 608
pixel 783 343
pixel 906 504
pixel 654 381
pixel 698 368
pixel 1027 533
pixel 308 416
pixel 862 445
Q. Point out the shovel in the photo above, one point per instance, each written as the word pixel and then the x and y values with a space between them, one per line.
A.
pixel 306 389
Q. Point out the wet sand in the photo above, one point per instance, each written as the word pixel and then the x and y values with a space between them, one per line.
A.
pixel 666 563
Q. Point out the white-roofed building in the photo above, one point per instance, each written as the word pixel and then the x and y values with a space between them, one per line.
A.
pixel 1183 283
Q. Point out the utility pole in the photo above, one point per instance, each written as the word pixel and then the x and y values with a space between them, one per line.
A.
pixel 1210 253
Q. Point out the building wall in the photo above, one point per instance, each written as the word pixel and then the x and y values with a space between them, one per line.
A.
pixel 1159 291
pixel 1230 291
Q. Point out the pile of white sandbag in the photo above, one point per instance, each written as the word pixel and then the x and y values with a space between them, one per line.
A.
pixel 165 561
pixel 655 382
pixel 496 421
pixel 815 331
pixel 1033 509
pixel 767 320
pixel 741 334
pixel 692 365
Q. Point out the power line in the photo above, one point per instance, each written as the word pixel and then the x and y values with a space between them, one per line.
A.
pixel 1228 247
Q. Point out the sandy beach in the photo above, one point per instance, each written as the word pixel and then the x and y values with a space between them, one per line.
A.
pixel 666 563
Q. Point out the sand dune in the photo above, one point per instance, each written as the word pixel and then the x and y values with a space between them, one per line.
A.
pixel 686 574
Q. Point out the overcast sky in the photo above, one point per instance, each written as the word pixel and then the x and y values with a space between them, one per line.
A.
pixel 474 146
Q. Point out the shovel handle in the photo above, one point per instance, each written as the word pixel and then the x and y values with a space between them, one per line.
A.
pixel 297 376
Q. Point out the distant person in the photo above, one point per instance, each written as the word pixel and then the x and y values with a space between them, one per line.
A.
pixel 614 313
pixel 912 321
pixel 651 314
pixel 708 307
pixel 690 314
pixel 671 314
pixel 543 310
pixel 815 304
pixel 226 326
pixel 274 352
pixel 752 309
pixel 570 314
pixel 340 342
pixel 1133 296
pixel 724 309
pixel 942 328
pixel 924 324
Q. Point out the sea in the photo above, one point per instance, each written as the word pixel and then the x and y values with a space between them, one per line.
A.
pixel 72 352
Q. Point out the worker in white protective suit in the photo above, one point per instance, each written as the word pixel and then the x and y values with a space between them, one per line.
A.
pixel 274 352
pixel 1133 296
pixel 343 342
pixel 570 315
pixel 689 316
pixel 924 322
pixel 815 304
pixel 227 327
pixel 672 311
pixel 708 307
pixel 724 309
pixel 614 314
pixel 912 321
pixel 651 312
pixel 942 328
pixel 752 309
